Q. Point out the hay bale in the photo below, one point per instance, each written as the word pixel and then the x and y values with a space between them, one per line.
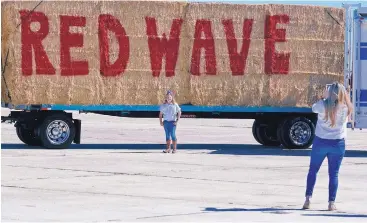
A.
pixel 314 40
pixel 135 86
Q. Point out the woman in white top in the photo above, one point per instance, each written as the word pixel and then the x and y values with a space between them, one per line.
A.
pixel 331 129
pixel 171 113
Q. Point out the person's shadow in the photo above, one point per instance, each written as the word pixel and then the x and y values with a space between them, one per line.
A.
pixel 283 211
pixel 224 149
pixel 338 215
pixel 270 210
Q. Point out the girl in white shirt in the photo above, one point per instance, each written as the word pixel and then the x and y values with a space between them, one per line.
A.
pixel 333 112
pixel 171 113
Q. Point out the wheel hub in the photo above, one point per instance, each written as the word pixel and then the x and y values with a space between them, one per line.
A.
pixel 58 132
pixel 300 133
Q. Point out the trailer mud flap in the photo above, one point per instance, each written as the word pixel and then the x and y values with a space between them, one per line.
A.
pixel 78 126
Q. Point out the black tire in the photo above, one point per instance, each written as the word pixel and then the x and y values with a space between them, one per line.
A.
pixel 290 136
pixel 27 136
pixel 63 124
pixel 281 139
pixel 254 132
pixel 267 134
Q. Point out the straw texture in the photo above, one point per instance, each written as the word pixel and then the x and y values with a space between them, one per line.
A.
pixel 314 40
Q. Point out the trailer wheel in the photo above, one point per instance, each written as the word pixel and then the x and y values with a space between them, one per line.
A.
pixel 57 131
pixel 267 134
pixel 296 133
pixel 255 125
pixel 28 136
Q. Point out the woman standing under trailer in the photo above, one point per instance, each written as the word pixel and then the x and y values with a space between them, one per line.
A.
pixel 170 112
pixel 333 112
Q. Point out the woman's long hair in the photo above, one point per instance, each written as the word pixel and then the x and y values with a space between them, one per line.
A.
pixel 336 97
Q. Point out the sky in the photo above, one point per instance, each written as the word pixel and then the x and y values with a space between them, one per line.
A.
pixel 334 3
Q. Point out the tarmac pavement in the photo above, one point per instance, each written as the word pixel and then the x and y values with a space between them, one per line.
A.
pixel 219 173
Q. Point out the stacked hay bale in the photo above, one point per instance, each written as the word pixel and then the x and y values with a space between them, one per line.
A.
pixel 314 38
pixel 314 41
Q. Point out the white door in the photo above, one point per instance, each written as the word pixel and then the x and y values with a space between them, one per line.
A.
pixel 360 77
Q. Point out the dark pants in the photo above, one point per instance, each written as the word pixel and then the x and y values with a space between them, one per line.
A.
pixel 332 149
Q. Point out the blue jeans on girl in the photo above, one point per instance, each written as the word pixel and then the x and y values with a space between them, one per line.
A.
pixel 334 150
pixel 170 130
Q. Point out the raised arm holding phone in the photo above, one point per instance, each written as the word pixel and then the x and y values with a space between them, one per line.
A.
pixel 334 110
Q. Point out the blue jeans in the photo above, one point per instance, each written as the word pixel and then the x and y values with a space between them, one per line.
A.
pixel 334 150
pixel 170 130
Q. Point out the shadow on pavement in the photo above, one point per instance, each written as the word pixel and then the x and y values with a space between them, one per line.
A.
pixel 281 211
pixel 270 210
pixel 225 149
pixel 268 151
pixel 250 209
pixel 338 215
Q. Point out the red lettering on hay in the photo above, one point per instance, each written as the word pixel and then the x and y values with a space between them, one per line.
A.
pixel 275 63
pixel 109 23
pixel 161 47
pixel 68 40
pixel 238 60
pixel 203 26
pixel 33 40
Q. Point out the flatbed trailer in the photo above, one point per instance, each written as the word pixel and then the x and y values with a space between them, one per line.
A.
pixel 52 127
pixel 38 124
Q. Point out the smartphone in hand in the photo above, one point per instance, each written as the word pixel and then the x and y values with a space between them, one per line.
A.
pixel 326 92
pixel 328 87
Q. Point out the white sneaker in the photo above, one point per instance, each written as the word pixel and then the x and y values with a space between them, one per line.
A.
pixel 306 205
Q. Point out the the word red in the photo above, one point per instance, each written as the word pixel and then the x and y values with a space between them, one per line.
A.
pixel 160 48
pixel 68 40
pixel 33 40
pixel 109 23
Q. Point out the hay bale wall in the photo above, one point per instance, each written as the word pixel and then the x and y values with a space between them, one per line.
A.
pixel 314 40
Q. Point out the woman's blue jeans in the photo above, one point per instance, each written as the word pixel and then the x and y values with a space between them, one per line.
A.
pixel 170 129
pixel 334 150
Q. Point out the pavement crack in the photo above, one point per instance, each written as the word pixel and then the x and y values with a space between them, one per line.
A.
pixel 115 194
pixel 69 177
pixel 163 176
pixel 220 166
pixel 174 215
